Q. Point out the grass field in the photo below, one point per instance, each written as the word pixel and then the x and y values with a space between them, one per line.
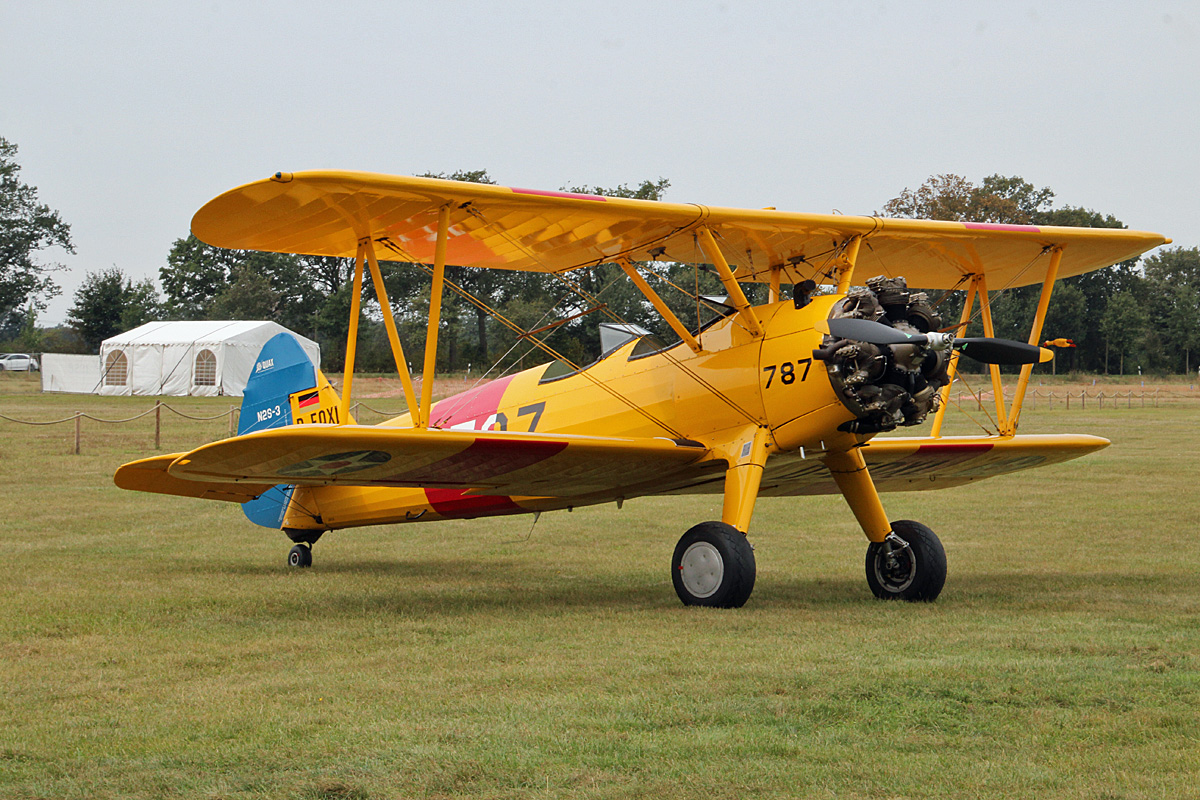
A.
pixel 158 647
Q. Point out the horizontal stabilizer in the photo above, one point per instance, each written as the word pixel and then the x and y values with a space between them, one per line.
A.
pixel 150 475
pixel 498 462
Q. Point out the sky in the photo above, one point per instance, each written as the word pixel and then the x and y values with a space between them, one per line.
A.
pixel 131 115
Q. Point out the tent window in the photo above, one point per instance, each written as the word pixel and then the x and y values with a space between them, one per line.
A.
pixel 206 369
pixel 116 369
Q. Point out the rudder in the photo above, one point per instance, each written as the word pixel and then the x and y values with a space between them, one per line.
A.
pixel 285 388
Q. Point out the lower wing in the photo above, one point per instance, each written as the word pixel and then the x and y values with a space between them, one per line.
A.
pixel 492 462
pixel 909 464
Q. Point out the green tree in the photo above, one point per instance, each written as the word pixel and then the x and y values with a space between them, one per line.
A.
pixel 1183 323
pixel 108 303
pixel 247 296
pixel 1173 293
pixel 194 275
pixel 26 227
pixel 1067 318
pixel 142 304
pixel 1124 324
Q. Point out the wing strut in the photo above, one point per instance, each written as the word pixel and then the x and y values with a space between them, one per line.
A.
pixel 845 262
pixel 680 330
pixel 389 322
pixel 1006 417
pixel 1035 335
pixel 952 367
pixel 985 307
pixel 435 314
pixel 352 332
pixel 731 285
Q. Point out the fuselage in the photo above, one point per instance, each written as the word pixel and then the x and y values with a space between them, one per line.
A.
pixel 736 382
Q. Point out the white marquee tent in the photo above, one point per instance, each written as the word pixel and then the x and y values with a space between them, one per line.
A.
pixel 188 358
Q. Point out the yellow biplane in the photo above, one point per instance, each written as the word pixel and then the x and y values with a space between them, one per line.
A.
pixel 778 399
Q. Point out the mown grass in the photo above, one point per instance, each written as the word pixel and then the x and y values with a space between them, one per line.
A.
pixel 158 647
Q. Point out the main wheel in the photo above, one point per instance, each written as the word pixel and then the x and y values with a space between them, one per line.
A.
pixel 713 565
pixel 910 565
pixel 300 556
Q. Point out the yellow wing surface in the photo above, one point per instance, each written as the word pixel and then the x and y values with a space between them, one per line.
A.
pixel 498 462
pixel 910 464
pixel 535 465
pixel 329 212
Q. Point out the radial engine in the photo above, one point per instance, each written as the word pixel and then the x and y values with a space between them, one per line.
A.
pixel 886 386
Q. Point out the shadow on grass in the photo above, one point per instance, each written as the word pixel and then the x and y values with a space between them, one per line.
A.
pixel 453 586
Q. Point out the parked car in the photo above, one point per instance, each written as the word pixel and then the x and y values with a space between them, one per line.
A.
pixel 18 362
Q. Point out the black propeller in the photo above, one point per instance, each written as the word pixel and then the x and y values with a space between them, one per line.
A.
pixel 985 349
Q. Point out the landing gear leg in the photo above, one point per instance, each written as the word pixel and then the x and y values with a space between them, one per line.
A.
pixel 713 564
pixel 905 560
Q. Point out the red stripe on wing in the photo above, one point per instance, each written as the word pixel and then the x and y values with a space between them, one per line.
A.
pixel 483 460
pixel 972 447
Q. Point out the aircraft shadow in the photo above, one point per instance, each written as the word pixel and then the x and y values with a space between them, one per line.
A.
pixel 447 586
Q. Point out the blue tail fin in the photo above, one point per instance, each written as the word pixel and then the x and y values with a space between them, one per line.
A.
pixel 285 388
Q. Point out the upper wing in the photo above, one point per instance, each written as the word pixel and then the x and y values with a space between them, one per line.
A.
pixel 328 213
pixel 908 464
pixel 498 462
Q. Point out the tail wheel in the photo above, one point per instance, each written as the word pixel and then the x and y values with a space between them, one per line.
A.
pixel 300 556
pixel 909 565
pixel 713 566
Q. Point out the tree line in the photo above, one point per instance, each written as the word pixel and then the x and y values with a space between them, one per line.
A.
pixel 1140 314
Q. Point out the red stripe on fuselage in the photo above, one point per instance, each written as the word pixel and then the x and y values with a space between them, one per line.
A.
pixel 456 503
pixel 474 405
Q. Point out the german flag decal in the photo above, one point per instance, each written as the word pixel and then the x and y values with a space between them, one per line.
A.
pixel 308 399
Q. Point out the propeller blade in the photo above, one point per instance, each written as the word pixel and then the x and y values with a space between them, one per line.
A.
pixel 864 330
pixel 1002 351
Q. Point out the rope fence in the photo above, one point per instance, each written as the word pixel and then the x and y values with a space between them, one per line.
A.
pixel 233 415
pixel 1064 398
pixel 1033 397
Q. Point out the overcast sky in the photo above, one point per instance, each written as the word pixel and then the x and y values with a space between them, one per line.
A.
pixel 129 116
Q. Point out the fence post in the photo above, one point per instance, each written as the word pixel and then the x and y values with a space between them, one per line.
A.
pixel 1101 396
pixel 1083 399
pixel 158 424
pixel 1068 399
pixel 78 429
pixel 232 423
pixel 1129 399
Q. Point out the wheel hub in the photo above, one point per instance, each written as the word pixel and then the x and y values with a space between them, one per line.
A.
pixel 701 569
pixel 895 566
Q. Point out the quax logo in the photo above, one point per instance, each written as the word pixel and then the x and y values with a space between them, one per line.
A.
pixel 261 365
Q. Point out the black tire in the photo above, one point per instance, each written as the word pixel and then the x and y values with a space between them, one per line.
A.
pixel 916 573
pixel 300 556
pixel 713 566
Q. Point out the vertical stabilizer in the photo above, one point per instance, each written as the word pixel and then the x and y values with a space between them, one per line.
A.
pixel 285 388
